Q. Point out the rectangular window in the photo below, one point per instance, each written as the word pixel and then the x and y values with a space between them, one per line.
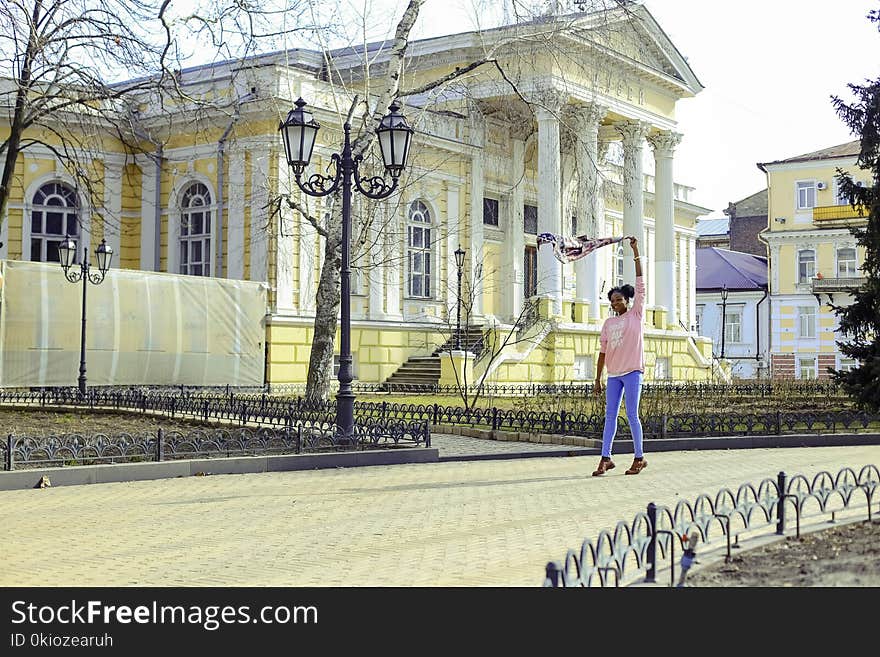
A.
pixel 807 368
pixel 806 265
pixel 574 225
pixel 847 267
pixel 490 211
pixel 583 368
pixel 733 324
pixel 530 219
pixel 806 322
pixel 661 369
pixel 698 321
pixel 806 195
pixel 847 364
pixel 530 272
pixel 354 368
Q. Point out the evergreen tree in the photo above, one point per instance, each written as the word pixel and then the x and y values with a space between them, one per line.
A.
pixel 860 321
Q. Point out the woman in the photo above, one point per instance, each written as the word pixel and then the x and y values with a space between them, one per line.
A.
pixel 622 349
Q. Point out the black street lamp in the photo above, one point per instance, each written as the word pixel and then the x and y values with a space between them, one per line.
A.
pixel 298 132
pixel 723 317
pixel 67 256
pixel 459 263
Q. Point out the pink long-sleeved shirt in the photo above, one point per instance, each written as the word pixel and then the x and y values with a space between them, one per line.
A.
pixel 621 337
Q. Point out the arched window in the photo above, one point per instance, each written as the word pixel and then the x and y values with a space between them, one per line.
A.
pixel 418 239
pixel 54 214
pixel 195 231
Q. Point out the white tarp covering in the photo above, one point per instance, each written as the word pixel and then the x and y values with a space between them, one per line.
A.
pixel 142 327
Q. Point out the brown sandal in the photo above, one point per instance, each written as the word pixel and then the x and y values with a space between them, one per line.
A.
pixel 637 466
pixel 604 466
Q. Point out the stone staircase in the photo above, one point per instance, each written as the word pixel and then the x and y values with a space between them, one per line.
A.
pixel 421 371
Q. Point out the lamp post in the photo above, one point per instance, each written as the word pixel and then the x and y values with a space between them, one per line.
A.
pixel 459 263
pixel 298 132
pixel 67 255
pixel 723 317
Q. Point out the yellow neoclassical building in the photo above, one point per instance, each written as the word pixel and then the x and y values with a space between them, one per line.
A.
pixel 814 258
pixel 573 131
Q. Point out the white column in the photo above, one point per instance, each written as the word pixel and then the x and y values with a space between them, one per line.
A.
pixel 374 272
pixel 633 133
pixel 549 205
pixel 113 209
pixel 395 252
pixel 284 223
pixel 235 216
pixel 590 204
pixel 148 214
pixel 514 252
pixel 692 281
pixel 453 240
pixel 475 248
pixel 664 213
pixel 308 262
pixel 259 214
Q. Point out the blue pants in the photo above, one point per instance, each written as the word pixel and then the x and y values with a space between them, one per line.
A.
pixel 629 385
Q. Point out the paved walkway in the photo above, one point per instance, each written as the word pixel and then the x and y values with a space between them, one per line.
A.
pixel 470 523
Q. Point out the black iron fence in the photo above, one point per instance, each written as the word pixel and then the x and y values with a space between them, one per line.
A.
pixel 285 412
pixel 641 546
pixel 164 445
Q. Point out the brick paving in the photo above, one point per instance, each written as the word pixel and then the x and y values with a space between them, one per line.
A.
pixel 480 522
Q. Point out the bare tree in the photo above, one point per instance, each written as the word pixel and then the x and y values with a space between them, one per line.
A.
pixel 79 67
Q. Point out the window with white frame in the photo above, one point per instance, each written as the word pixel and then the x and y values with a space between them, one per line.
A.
pixel 839 196
pixel 806 265
pixel 661 368
pixel 490 211
pixel 530 219
pixel 806 322
pixel 583 368
pixel 847 266
pixel 698 321
pixel 418 236
pixel 733 324
pixel 807 368
pixel 354 368
pixel 846 364
pixel 54 215
pixel 618 267
pixel 806 194
pixel 195 230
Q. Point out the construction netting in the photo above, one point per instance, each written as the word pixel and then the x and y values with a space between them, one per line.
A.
pixel 142 328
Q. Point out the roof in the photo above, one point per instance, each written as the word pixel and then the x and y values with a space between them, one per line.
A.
pixel 706 227
pixel 717 268
pixel 751 206
pixel 848 149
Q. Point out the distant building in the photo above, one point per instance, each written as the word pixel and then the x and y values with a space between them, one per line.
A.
pixel 733 309
pixel 713 232
pixel 814 258
pixel 748 217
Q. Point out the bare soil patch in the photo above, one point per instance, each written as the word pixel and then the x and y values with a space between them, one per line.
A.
pixel 844 555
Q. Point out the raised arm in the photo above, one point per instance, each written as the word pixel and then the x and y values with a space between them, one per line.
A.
pixel 634 245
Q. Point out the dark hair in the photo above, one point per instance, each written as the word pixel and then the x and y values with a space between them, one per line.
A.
pixel 628 291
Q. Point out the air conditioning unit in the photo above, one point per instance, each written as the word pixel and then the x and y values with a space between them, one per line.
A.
pixel 860 183
pixel 821 185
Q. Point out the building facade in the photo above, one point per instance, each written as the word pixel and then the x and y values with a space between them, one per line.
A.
pixel 578 144
pixel 814 258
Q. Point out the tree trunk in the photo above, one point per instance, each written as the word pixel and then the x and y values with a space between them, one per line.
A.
pixel 326 312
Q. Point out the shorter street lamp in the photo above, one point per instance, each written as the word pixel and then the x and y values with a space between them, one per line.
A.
pixel 723 317
pixel 299 131
pixel 67 256
pixel 459 263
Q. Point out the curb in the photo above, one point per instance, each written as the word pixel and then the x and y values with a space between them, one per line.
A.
pixel 122 472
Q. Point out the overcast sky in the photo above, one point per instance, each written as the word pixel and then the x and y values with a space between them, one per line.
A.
pixel 769 68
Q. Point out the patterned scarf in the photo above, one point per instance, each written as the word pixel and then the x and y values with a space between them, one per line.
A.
pixel 569 249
